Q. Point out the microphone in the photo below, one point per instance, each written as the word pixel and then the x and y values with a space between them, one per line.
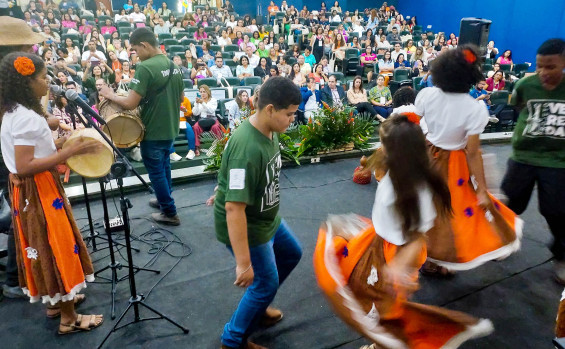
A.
pixel 73 96
pixel 56 90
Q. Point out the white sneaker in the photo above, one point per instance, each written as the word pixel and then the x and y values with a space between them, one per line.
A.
pixel 493 119
pixel 135 154
pixel 175 157
pixel 190 154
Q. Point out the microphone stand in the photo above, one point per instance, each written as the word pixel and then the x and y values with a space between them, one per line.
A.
pixel 113 265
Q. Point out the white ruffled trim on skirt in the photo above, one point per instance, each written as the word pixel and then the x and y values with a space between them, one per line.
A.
pixel 498 254
pixel 58 298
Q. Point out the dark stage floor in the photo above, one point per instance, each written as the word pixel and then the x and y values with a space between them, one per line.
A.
pixel 518 294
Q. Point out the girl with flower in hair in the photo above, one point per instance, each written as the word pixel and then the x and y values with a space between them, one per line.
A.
pixel 481 228
pixel 53 262
pixel 369 268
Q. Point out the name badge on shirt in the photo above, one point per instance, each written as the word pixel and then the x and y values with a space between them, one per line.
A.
pixel 237 178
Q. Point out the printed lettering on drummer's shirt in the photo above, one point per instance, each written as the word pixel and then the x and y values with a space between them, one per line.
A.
pixel 271 196
pixel 546 118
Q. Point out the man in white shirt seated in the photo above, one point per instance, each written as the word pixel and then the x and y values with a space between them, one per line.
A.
pixel 253 59
pixel 91 55
pixel 397 50
pixel 219 70
pixel 137 15
pixel 161 28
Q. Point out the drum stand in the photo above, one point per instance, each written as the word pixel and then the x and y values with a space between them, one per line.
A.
pixel 136 299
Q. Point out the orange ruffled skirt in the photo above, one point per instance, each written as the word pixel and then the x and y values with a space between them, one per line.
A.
pixel 53 262
pixel 472 236
pixel 349 272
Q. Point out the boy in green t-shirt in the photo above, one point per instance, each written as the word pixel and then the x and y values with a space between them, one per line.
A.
pixel 538 144
pixel 246 210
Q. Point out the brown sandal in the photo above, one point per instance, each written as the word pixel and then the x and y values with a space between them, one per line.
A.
pixel 82 323
pixel 55 312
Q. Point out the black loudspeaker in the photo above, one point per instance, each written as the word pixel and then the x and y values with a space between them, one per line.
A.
pixel 475 31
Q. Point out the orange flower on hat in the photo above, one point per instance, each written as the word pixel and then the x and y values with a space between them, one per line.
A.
pixel 24 66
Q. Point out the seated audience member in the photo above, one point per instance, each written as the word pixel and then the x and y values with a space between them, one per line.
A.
pixel 393 35
pixel 505 58
pixel 185 116
pixel 430 54
pixel 381 99
pixel 162 27
pixel 401 62
pixel 318 74
pixel 184 70
pixel 418 54
pixel 311 98
pixel 252 59
pixel 386 66
pixel 357 97
pixel 92 55
pixel 126 74
pixel 71 85
pixel 479 93
pixel 263 69
pixel 244 69
pixel 305 68
pixel 309 57
pixel 427 80
pixel 296 75
pixel 495 68
pixel 397 50
pixel 108 28
pixel 262 51
pixel 496 82
pixel 333 94
pixel 491 50
pixel 284 67
pixel 367 62
pixel 200 71
pixel 247 43
pixel 224 39
pixel 238 108
pixel 219 70
pixel 205 108
pixel 66 125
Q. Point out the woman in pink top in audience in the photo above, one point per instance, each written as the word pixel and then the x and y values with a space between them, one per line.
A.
pixel 496 82
pixel 505 58
pixel 68 22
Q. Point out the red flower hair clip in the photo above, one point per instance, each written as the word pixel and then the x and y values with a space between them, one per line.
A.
pixel 24 66
pixel 469 56
pixel 412 117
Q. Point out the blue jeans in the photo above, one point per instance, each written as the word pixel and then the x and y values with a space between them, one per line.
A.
pixel 156 159
pixel 272 263
pixel 189 137
pixel 383 111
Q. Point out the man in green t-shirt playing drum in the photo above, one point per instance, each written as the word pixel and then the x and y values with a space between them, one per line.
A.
pixel 158 88
pixel 538 144
pixel 246 211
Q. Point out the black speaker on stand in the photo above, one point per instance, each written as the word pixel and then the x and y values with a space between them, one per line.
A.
pixel 475 31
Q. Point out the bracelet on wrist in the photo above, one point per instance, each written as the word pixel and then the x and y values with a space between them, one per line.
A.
pixel 246 270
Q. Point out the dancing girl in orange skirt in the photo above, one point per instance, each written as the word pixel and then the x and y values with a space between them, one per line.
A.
pixel 53 262
pixel 368 269
pixel 481 227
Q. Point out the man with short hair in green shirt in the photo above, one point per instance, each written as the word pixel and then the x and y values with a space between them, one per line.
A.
pixel 538 144
pixel 246 210
pixel 158 88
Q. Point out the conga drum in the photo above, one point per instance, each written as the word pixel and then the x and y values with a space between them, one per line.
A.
pixel 124 127
pixel 93 165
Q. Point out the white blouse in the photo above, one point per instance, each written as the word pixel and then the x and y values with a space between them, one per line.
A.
pixel 386 220
pixel 205 110
pixel 25 127
pixel 451 117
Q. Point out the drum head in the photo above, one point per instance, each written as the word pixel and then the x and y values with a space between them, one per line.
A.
pixel 94 165
pixel 124 130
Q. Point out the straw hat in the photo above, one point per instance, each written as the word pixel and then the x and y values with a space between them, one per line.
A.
pixel 14 32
